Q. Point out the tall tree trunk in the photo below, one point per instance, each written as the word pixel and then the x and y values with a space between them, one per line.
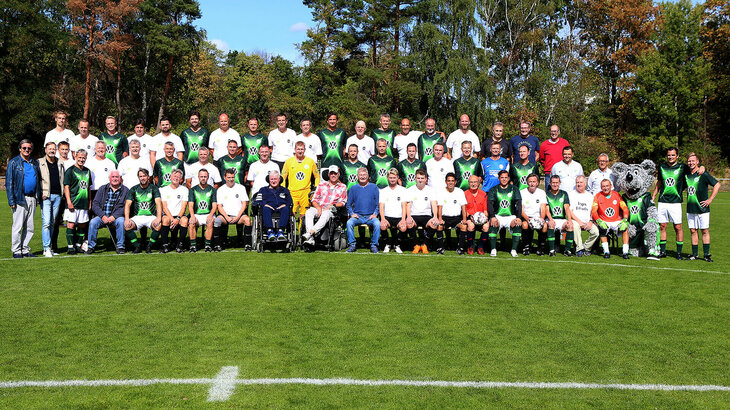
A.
pixel 396 52
pixel 374 46
pixel 118 97
pixel 144 81
pixel 87 90
pixel 163 105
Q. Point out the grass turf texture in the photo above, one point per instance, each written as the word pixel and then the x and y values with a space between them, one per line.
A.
pixel 366 317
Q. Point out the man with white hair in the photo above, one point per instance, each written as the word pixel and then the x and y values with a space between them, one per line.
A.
pixel 603 172
pixel 108 206
pixel 365 146
pixel 581 202
pixel 100 167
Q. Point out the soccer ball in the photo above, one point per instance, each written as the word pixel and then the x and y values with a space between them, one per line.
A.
pixel 85 246
pixel 480 218
pixel 536 223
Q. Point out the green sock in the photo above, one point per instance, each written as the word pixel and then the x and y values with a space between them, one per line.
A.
pixel 70 237
pixel 516 236
pixel 80 236
pixel 569 241
pixel 493 236
pixel 662 246
pixel 679 247
pixel 695 249
pixel 706 248
pixel 154 236
pixel 551 239
pixel 131 237
pixel 207 242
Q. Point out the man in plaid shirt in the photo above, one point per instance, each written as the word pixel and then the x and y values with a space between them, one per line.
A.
pixel 329 195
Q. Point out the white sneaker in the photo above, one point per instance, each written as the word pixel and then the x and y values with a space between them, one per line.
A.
pixel 55 253
pixel 493 252
pixel 307 236
pixel 397 249
pixel 48 253
pixel 513 253
pixel 85 246
pixel 310 241
pixel 386 249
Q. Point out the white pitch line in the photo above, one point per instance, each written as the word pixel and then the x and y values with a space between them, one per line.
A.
pixel 224 385
pixel 231 382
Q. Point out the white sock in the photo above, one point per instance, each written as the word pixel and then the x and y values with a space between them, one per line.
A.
pixel 604 245
pixel 625 248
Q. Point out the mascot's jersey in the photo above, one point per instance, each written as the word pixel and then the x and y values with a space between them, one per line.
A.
pixel 638 208
pixel 608 207
pixel 697 192
pixel 671 183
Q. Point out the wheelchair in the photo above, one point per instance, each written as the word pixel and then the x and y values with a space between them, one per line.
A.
pixel 333 237
pixel 258 232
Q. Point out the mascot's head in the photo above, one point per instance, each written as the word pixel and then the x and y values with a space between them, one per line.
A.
pixel 634 179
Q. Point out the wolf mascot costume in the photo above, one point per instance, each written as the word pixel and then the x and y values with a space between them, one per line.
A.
pixel 635 180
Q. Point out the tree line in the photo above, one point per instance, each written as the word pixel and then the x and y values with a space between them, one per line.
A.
pixel 627 77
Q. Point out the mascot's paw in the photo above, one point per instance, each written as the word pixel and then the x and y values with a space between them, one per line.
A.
pixel 651 227
pixel 634 252
pixel 632 231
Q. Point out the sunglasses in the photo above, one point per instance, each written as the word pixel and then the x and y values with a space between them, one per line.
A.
pixel 26 148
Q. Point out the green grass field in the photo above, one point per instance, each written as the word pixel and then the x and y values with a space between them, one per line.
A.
pixel 363 316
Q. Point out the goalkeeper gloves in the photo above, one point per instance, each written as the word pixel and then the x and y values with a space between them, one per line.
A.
pixel 601 224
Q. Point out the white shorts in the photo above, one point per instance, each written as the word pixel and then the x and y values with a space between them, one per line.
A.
pixel 698 221
pixel 202 220
pixel 613 226
pixel 505 221
pixel 559 224
pixel 143 221
pixel 78 216
pixel 669 213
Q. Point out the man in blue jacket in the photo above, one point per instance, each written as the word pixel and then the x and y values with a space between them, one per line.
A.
pixel 363 206
pixel 275 198
pixel 23 186
pixel 108 208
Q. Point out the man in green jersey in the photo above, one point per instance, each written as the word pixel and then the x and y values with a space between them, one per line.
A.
pixel 143 209
pixel 233 161
pixel 193 138
pixel 379 164
pixel 202 204
pixel 350 167
pixel 117 146
pixel 332 140
pixel 428 139
pixel 77 190
pixel 252 141
pixel 558 217
pixel 698 205
pixel 408 167
pixel 504 206
pixel 164 166
pixel 669 186
pixel 384 132
pixel 519 171
pixel 466 166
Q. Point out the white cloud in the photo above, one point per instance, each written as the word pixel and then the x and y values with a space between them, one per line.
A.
pixel 298 27
pixel 221 45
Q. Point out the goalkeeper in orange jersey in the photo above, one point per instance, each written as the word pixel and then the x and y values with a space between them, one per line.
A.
pixel 610 213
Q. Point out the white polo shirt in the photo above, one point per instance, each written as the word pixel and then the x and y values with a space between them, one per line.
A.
pixel 231 199
pixel 174 198
pixel 99 171
pixel 594 180
pixel 312 145
pixel 451 202
pixel 87 144
pixel 365 147
pixel 257 173
pixel 401 142
pixel 146 142
pixel 158 145
pixel 128 168
pixel 214 175
pixel 567 174
pixel 392 200
pixel 531 203
pixel 56 136
pixel 218 142
pixel 437 171
pixel 282 144
pixel 420 200
pixel 457 137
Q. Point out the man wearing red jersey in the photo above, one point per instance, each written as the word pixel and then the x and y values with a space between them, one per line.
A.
pixel 476 202
pixel 610 213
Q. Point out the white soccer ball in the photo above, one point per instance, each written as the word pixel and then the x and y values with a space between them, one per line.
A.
pixel 85 246
pixel 479 218
pixel 536 223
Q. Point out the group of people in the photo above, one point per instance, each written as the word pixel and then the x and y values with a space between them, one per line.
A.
pixel 411 188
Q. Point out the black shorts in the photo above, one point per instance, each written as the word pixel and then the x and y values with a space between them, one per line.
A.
pixel 393 221
pixel 421 220
pixel 451 221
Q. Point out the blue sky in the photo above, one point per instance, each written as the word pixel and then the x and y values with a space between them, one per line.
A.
pixel 274 26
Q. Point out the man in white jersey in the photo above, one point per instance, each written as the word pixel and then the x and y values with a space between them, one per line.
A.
pixel 365 145
pixel 232 205
pixel 157 150
pixel 281 141
pixel 257 172
pixel 129 166
pixel 581 202
pixel 83 140
pixel 438 167
pixel 174 199
pixel 60 132
pixel 393 202
pixel 567 170
pixel 219 138
pixel 145 140
pixel 100 167
pixel 214 176
pixel 312 143
pixel 534 212
pixel 421 212
pixel 453 143
pixel 406 136
pixel 451 213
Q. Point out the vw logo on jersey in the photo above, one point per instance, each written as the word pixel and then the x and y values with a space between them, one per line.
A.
pixel 178 197
pixel 634 210
pixel 299 176
pixel 425 199
pixel 144 206
pixel 363 148
pixel 194 146
pixel 203 205
pixel 236 195
pixel 669 182
pixel 83 184
pixel 523 180
pixel 167 177
pixel 691 190
pixel 557 210
pixel 382 172
pixel 110 149
pixel 352 178
pixel 504 204
pixel 253 151
pixel 454 200
pixel 106 169
pixel 610 212
pixel 397 199
pixel 332 145
pixel 466 175
pixel 428 151
pixel 411 178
